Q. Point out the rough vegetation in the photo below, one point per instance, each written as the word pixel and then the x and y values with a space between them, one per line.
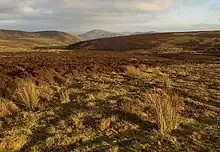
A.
pixel 110 101
pixel 28 93
pixel 166 108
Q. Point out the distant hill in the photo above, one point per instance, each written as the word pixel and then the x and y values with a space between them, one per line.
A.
pixel 97 34
pixel 55 35
pixel 17 40
pixel 138 33
pixel 173 41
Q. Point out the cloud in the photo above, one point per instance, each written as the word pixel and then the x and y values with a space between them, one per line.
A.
pixel 75 13
pixel 29 10
pixel 7 6
pixel 144 5
pixel 81 15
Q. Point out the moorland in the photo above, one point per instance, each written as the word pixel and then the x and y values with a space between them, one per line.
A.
pixel 149 92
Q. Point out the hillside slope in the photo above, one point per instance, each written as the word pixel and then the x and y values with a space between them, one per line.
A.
pixel 210 40
pixel 55 35
pixel 11 40
pixel 97 34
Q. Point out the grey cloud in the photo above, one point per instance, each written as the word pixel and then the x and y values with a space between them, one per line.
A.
pixel 8 7
pixel 66 14
pixel 81 14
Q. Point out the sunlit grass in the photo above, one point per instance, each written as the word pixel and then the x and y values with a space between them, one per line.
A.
pixel 167 109
pixel 28 94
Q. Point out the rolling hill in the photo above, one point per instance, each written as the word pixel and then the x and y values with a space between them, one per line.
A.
pixel 97 34
pixel 210 40
pixel 12 40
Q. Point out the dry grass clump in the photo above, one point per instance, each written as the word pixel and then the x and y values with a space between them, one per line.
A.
pixel 166 81
pixel 28 93
pixel 106 122
pixel 46 92
pixel 13 143
pixel 78 120
pixel 98 96
pixel 114 149
pixel 166 108
pixel 154 75
pixel 134 72
pixel 65 96
pixel 4 109
pixel 7 107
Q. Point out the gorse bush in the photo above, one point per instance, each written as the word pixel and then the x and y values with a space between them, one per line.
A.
pixel 28 94
pixel 166 108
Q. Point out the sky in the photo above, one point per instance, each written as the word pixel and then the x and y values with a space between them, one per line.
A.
pixel 79 16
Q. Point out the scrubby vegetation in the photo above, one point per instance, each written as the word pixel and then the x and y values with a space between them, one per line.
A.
pixel 131 111
pixel 28 94
pixel 167 109
pixel 163 99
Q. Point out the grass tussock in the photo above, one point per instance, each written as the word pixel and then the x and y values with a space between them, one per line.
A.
pixel 7 108
pixel 28 94
pixel 46 92
pixel 106 122
pixel 98 96
pixel 4 109
pixel 149 74
pixel 65 96
pixel 15 144
pixel 134 72
pixel 166 81
pixel 167 109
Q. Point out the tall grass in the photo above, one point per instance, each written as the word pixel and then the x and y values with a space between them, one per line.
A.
pixel 166 108
pixel 166 81
pixel 46 92
pixel 65 96
pixel 134 72
pixel 152 75
pixel 28 94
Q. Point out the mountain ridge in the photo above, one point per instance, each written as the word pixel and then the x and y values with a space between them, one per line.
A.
pixel 98 34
